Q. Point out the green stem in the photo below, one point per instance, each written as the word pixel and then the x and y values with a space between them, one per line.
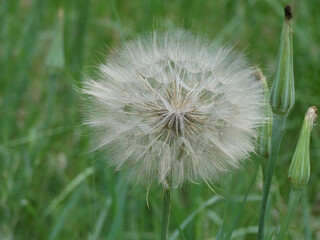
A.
pixel 295 195
pixel 277 132
pixel 166 214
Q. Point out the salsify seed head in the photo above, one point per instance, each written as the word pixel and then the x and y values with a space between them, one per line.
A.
pixel 172 107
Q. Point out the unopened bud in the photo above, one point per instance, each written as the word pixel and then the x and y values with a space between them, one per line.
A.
pixel 282 91
pixel 55 59
pixel 265 130
pixel 299 172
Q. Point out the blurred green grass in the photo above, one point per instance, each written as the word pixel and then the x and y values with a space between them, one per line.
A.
pixel 53 187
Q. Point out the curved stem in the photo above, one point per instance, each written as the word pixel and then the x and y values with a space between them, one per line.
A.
pixel 277 132
pixel 166 214
pixel 295 195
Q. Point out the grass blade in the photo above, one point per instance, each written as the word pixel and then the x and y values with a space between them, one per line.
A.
pixel 71 186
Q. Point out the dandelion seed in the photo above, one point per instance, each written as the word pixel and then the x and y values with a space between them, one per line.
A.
pixel 171 105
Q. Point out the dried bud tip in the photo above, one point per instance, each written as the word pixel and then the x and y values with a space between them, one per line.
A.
pixel 61 14
pixel 312 114
pixel 258 74
pixel 287 12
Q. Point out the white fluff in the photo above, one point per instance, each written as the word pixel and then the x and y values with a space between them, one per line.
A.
pixel 171 105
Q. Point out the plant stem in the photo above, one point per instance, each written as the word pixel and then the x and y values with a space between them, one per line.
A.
pixel 295 194
pixel 277 132
pixel 306 217
pixel 166 213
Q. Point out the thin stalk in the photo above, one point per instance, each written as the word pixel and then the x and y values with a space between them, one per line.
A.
pixel 277 132
pixel 295 195
pixel 166 213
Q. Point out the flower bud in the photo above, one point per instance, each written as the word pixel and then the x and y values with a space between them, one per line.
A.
pixel 265 129
pixel 282 90
pixel 55 59
pixel 299 172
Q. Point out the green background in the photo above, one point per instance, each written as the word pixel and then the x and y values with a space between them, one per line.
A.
pixel 53 187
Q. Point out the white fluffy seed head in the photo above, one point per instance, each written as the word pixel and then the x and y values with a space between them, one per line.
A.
pixel 172 107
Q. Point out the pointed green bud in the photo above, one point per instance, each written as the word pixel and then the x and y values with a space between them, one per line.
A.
pixel 55 59
pixel 265 130
pixel 299 172
pixel 282 90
